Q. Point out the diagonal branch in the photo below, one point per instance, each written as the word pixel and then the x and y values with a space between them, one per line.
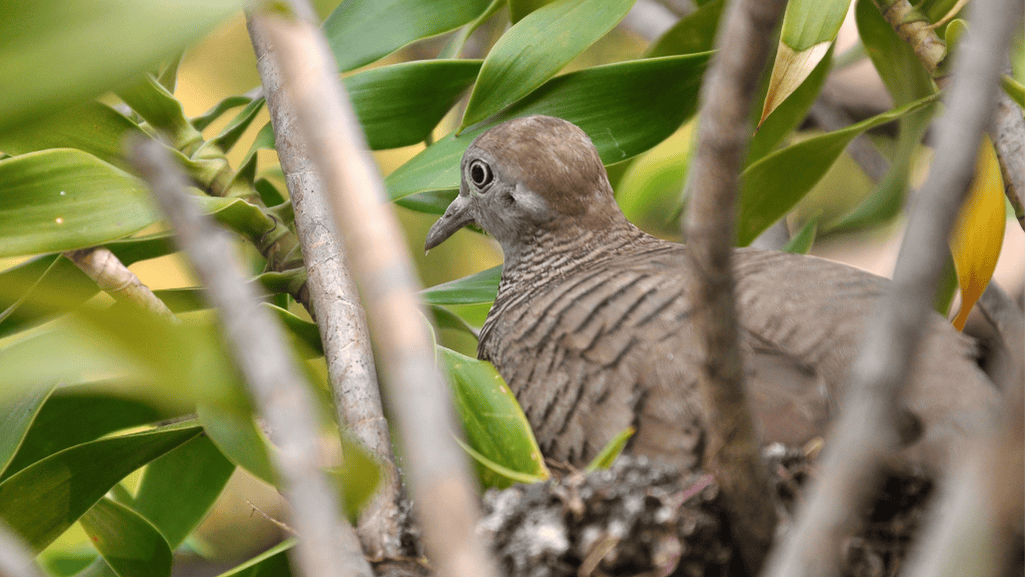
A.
pixel 327 544
pixel 443 491
pixel 733 455
pixel 340 316
pixel 114 278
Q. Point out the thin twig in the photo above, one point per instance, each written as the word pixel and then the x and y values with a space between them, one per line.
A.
pixel 866 432
pixel 327 544
pixel 733 455
pixel 15 558
pixel 340 316
pixel 114 278
pixel 443 492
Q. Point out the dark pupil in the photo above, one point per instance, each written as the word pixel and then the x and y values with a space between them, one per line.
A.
pixel 479 174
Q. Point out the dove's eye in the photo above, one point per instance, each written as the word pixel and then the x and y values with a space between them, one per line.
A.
pixel 480 174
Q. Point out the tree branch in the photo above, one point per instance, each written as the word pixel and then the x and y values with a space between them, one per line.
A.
pixel 733 455
pixel 114 278
pixel 443 491
pixel 327 544
pixel 340 316
pixel 866 432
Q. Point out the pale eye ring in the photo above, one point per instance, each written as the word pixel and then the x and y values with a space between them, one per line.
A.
pixel 480 174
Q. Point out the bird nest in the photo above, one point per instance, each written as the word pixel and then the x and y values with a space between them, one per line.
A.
pixel 642 518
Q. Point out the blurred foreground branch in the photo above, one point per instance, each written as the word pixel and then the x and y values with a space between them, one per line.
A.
pixel 866 433
pixel 327 544
pixel 733 455
pixel 443 492
pixel 339 314
pixel 15 558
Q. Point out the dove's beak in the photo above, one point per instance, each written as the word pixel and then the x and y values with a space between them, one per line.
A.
pixel 456 216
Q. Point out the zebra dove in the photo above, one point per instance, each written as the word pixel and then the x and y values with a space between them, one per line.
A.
pixel 591 327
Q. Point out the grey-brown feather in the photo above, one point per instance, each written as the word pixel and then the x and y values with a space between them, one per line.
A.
pixel 591 326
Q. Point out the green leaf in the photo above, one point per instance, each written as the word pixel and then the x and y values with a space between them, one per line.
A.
pixel 162 110
pixel 241 216
pixel 73 415
pixel 41 501
pixel 906 80
pixel 271 563
pixel 229 135
pixel 168 77
pixel 128 543
pixel 693 33
pixel 494 424
pixel 16 417
pixel 50 47
pixel 362 31
pixel 208 117
pixel 611 450
pixel 446 319
pixel 236 435
pixel 400 105
pixel 1013 89
pixel 358 476
pixel 493 467
pixel 64 199
pixel 90 127
pixel 477 288
pixel 306 335
pixel 537 47
pixel 98 568
pixel 802 241
pixel 810 22
pixel 790 113
pixel 179 489
pixel 771 186
pixel 601 100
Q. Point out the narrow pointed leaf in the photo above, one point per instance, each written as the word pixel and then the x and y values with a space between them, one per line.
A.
pixel 492 467
pixel 601 100
pixel 802 241
pixel 790 113
pixel 773 185
pixel 226 139
pixel 362 31
pixel 129 543
pixel 476 288
pixel 64 199
pixel 41 501
pixel 493 421
pixel 90 127
pixel 809 28
pixel 73 415
pixel 694 32
pixel 16 417
pixel 400 105
pixel 208 117
pixel 611 450
pixel 536 48
pixel 979 232
pixel 237 437
pixel 271 563
pixel 179 489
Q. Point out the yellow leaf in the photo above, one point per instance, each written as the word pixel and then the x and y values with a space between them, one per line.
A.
pixel 789 71
pixel 979 231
